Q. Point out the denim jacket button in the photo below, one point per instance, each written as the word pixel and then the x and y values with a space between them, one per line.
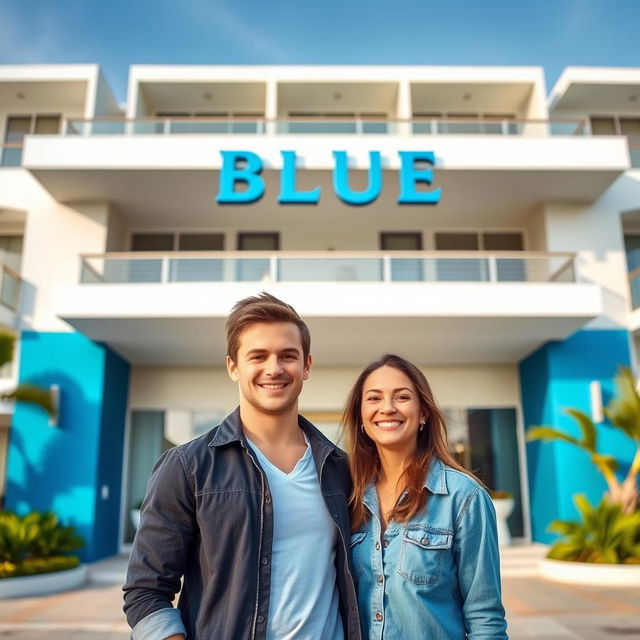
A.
pixel 378 616
pixel 260 619
pixel 268 499
pixel 265 561
pixel 379 579
pixel 424 541
pixel 377 546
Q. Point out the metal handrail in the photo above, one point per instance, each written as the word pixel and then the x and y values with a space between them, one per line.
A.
pixel 144 255
pixel 327 118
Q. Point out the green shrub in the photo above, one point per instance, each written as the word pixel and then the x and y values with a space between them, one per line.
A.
pixel 35 543
pixel 34 566
pixel 605 535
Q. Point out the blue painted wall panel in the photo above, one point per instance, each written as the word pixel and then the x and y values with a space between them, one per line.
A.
pixel 555 377
pixel 58 468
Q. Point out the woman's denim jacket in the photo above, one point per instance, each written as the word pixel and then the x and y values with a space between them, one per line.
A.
pixel 437 576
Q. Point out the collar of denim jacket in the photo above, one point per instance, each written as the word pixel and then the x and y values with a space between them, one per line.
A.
pixel 436 481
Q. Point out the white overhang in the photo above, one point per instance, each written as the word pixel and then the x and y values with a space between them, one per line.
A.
pixel 438 323
pixel 593 89
pixel 148 178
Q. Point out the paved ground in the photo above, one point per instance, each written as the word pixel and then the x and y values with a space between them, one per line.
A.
pixel 536 608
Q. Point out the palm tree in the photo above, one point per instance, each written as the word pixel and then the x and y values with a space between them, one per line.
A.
pixel 24 392
pixel 623 413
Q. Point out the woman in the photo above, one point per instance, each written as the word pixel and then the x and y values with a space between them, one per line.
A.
pixel 424 543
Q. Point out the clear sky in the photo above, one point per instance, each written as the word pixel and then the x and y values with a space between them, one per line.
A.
pixel 114 33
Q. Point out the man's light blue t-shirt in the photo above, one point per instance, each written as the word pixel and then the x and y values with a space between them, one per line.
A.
pixel 304 595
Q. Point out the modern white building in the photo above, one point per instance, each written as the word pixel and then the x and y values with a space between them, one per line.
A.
pixel 459 216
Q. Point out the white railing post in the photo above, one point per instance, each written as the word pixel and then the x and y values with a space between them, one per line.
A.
pixel 273 268
pixel 164 270
pixel 386 268
pixel 166 127
pixel 493 269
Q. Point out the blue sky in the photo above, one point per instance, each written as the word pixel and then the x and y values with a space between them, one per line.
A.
pixel 549 33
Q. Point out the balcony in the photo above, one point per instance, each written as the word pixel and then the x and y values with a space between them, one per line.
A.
pixel 438 307
pixel 326 126
pixel 310 266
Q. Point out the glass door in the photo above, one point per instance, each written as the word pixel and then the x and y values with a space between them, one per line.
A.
pixel 146 444
pixel 485 441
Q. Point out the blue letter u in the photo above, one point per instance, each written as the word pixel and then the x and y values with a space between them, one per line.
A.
pixel 341 179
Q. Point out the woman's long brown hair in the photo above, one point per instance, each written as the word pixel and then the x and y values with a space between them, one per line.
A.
pixel 364 462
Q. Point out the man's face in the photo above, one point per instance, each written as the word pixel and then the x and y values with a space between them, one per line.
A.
pixel 270 367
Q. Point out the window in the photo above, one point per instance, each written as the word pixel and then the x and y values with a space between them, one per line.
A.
pixel 471 269
pixel 18 127
pixel 603 126
pixel 401 240
pixel 256 269
pixel 630 126
pixel 152 242
pixel 404 269
pixel 201 242
pixel 615 125
pixel 260 241
pixel 457 241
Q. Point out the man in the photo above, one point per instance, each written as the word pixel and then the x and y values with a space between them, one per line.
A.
pixel 253 514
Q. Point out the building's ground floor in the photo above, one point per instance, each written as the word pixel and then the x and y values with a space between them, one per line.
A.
pixel 116 418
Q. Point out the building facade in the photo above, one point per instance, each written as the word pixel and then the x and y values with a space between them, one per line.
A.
pixel 459 216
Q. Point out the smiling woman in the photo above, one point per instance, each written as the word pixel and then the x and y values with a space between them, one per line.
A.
pixel 424 542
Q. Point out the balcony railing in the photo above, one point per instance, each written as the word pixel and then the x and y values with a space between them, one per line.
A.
pixel 332 126
pixel 11 154
pixel 10 286
pixel 327 266
pixel 634 150
pixel 634 286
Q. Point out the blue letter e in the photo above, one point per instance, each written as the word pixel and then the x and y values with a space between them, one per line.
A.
pixel 410 176
pixel 230 174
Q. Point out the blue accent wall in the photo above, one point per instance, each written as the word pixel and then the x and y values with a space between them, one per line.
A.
pixel 63 468
pixel 555 377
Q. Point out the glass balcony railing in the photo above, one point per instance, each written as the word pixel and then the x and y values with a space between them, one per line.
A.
pixel 326 126
pixel 11 154
pixel 401 266
pixel 634 286
pixel 10 286
pixel 634 151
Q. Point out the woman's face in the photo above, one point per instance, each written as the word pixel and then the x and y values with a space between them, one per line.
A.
pixel 391 411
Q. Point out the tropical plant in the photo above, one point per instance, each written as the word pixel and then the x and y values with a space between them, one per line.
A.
pixel 24 392
pixel 605 535
pixel 623 412
pixel 35 543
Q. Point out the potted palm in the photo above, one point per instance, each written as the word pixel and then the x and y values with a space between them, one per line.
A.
pixel 604 546
pixel 503 504
pixel 135 514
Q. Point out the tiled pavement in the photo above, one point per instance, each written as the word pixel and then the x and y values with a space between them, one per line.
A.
pixel 536 608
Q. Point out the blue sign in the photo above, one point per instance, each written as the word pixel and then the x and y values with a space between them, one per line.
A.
pixel 244 168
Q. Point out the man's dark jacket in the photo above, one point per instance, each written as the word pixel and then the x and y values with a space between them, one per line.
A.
pixel 208 515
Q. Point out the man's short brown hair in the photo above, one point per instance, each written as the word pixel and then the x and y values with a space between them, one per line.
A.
pixel 262 308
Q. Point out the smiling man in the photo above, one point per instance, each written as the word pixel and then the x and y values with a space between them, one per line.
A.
pixel 254 514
